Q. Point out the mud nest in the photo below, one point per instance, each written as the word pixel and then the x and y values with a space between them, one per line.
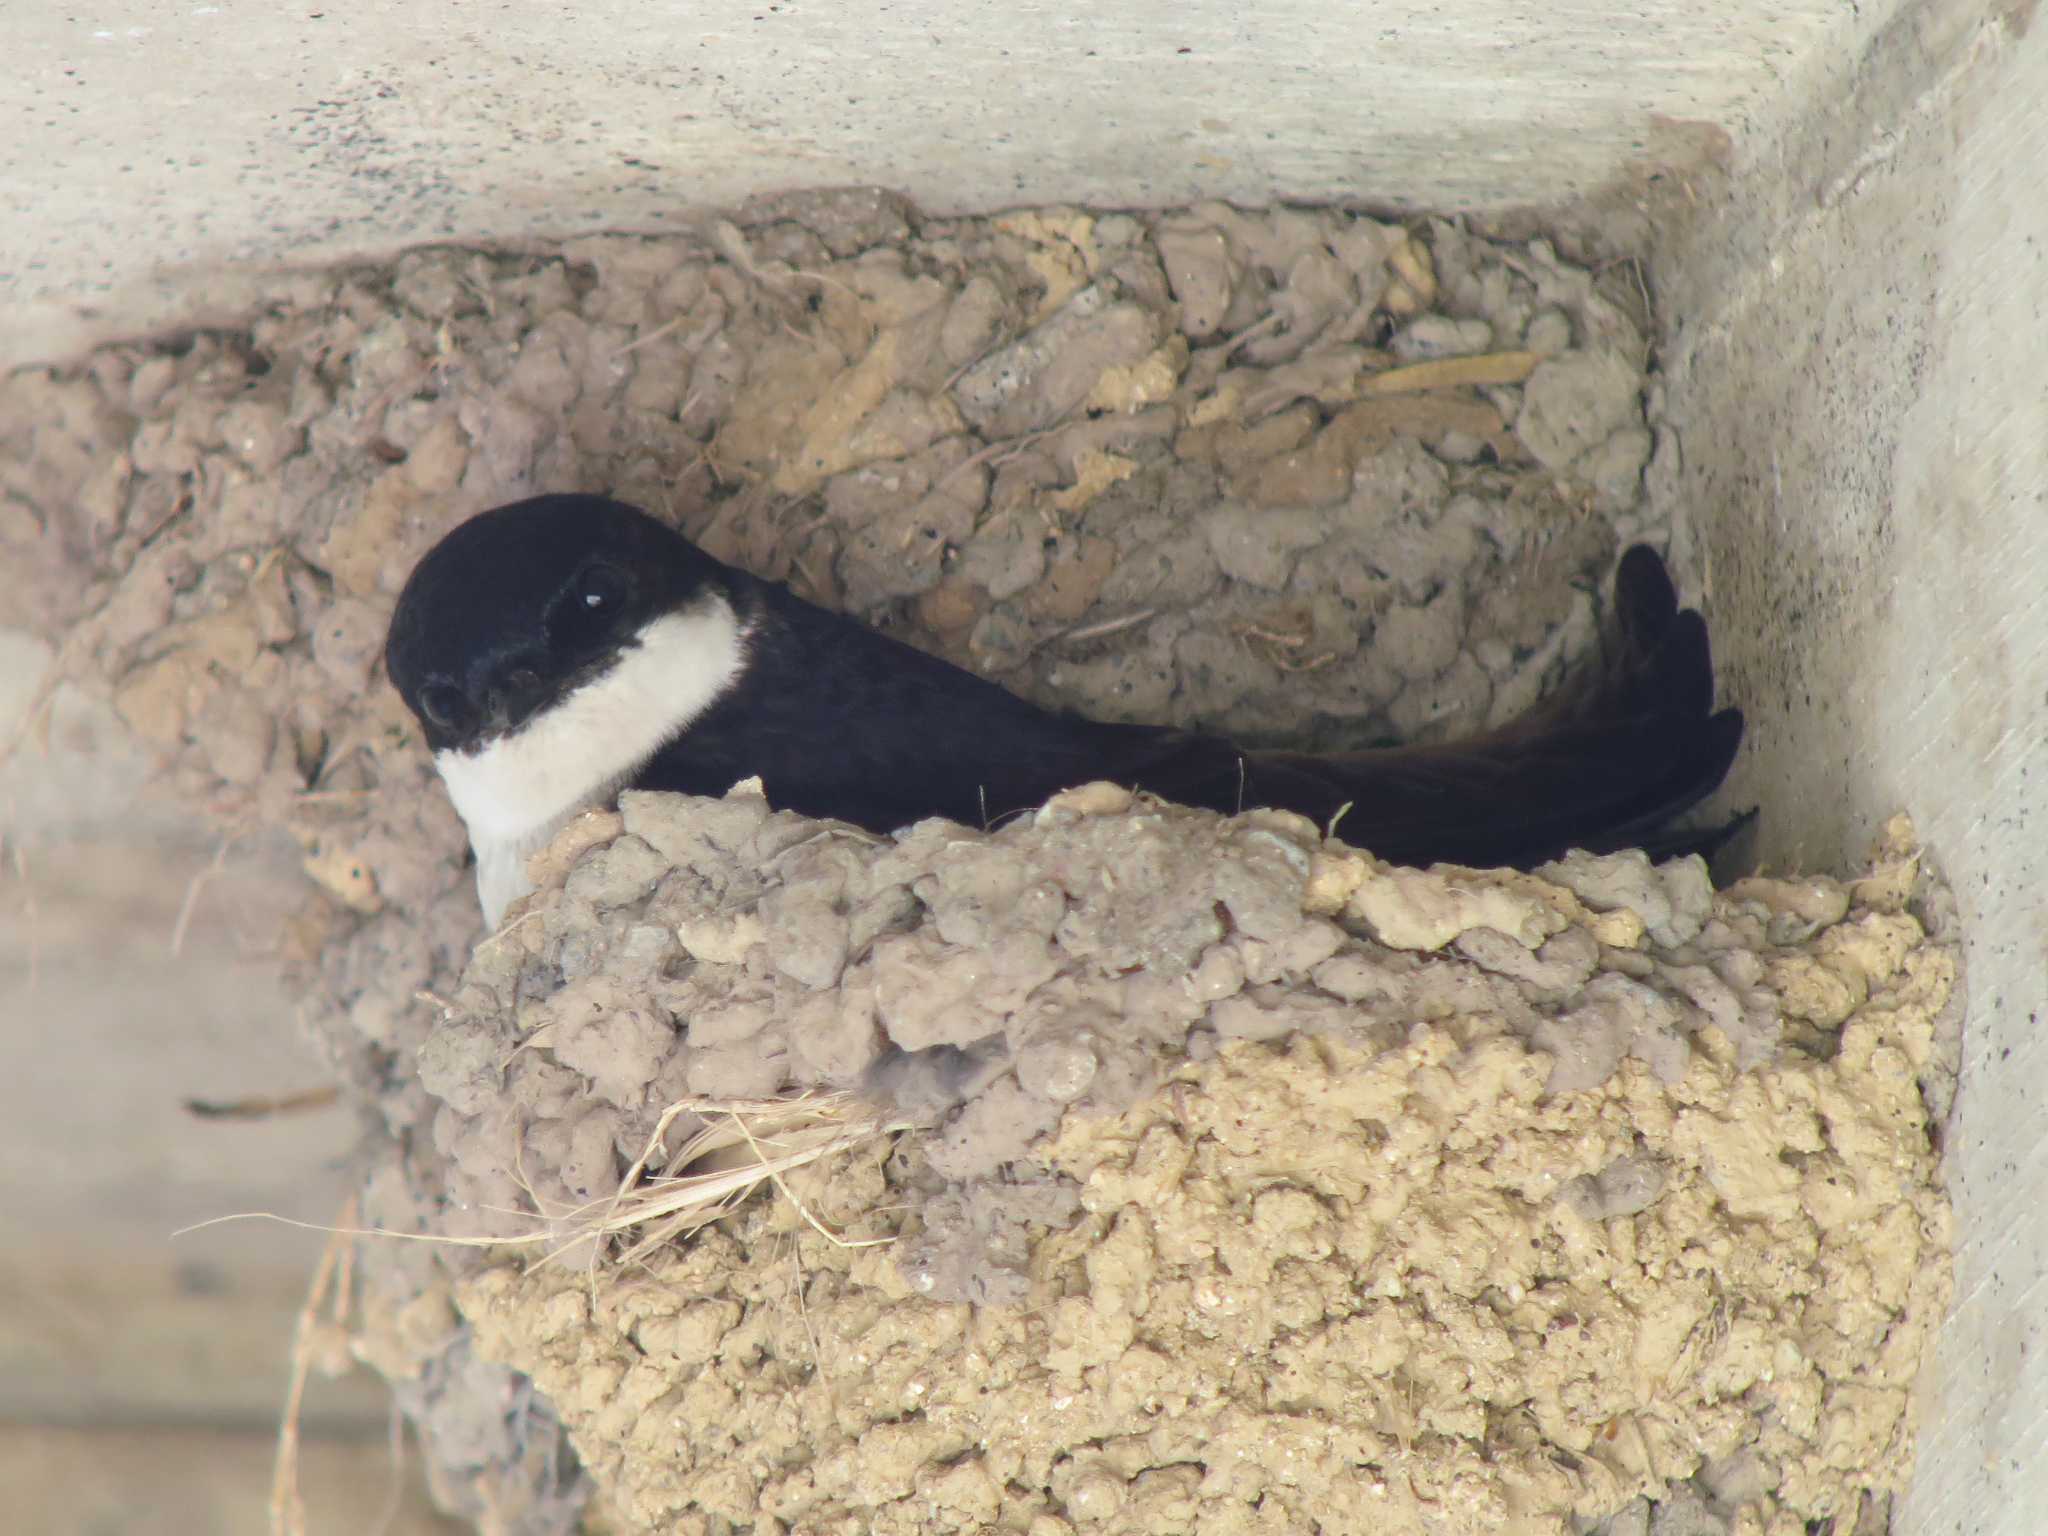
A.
pixel 1302 475
pixel 1262 1187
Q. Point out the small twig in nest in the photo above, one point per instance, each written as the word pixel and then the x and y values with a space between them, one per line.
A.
pixel 1272 321
pixel 263 1106
pixel 802 1210
pixel 803 1310
pixel 1104 627
pixel 1000 451
pixel 780 1134
pixel 198 883
pixel 1286 645
pixel 1450 373
pixel 508 930
pixel 743 1144
pixel 34 719
pixel 1271 636
pixel 287 1505
pixel 812 587
pixel 650 338
pixel 31 913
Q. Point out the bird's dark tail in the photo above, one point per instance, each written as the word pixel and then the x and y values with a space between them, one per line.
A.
pixel 1605 764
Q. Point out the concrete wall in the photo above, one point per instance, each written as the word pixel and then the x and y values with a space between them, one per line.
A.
pixel 1855 352
pixel 169 148
pixel 1855 279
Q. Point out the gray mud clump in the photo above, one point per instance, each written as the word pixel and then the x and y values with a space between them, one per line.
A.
pixel 1296 1192
pixel 1299 475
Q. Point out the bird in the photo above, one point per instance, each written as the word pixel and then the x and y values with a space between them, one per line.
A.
pixel 563 648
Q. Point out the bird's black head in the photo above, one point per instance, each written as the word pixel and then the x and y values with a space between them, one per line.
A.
pixel 520 605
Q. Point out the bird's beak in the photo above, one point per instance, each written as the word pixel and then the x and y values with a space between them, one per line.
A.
pixel 511 697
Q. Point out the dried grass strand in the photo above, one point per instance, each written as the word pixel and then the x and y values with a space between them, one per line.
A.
pixel 335 1270
pixel 778 1135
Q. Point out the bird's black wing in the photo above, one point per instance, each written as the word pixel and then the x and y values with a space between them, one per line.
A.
pixel 1629 744
pixel 843 722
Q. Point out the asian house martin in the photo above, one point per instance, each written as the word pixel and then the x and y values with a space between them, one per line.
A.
pixel 561 649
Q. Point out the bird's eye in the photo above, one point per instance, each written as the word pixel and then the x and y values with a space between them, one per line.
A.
pixel 444 706
pixel 601 590
pixel 584 614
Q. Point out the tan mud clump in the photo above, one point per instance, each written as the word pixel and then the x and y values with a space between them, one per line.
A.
pixel 1366 1272
pixel 1299 475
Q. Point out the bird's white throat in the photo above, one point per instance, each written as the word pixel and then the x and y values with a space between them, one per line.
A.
pixel 516 792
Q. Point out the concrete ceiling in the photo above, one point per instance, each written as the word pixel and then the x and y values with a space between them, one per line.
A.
pixel 172 151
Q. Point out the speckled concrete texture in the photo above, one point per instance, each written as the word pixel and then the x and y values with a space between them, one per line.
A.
pixel 169 147
pixel 1857 362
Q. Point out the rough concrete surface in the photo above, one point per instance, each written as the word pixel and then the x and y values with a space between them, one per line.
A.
pixel 142 1375
pixel 159 1481
pixel 1865 467
pixel 230 137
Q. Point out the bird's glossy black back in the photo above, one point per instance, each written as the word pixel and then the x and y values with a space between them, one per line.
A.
pixel 516 609
pixel 842 722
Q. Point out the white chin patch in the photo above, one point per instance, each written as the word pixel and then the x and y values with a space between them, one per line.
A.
pixel 515 793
